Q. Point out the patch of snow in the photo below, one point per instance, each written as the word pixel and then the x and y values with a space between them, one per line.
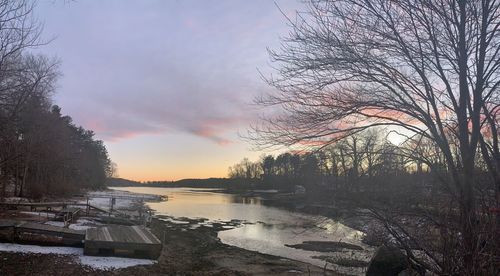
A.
pixel 55 223
pixel 81 224
pixel 85 221
pixel 106 263
pixel 123 203
pixel 80 227
pixel 14 199
pixel 23 248
pixel 134 196
pixel 175 221
pixel 40 214
pixel 123 198
pixel 103 263
pixel 88 221
pixel 103 200
pixel 100 202
pixel 265 191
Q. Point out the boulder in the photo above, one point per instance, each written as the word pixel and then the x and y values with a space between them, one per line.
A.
pixel 387 261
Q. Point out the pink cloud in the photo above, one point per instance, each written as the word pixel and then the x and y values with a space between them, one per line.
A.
pixel 211 132
pixel 193 71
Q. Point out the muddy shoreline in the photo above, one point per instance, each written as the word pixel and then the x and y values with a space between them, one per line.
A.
pixel 185 252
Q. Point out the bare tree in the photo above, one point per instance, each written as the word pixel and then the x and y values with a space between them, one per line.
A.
pixel 427 68
pixel 245 169
pixel 19 31
pixel 21 75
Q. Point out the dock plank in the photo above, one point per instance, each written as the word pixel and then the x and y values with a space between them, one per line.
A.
pixel 120 233
pixel 48 228
pixel 118 238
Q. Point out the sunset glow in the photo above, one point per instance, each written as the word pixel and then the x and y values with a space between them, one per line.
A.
pixel 167 85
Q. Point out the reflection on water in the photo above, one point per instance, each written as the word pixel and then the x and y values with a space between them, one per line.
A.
pixel 203 203
pixel 269 228
pixel 246 200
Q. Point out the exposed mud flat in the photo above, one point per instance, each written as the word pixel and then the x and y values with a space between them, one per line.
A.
pixel 198 251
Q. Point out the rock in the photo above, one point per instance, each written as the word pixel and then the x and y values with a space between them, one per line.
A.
pixel 323 246
pixel 409 272
pixel 341 261
pixel 387 261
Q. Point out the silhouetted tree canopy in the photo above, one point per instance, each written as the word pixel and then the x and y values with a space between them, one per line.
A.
pixel 42 152
pixel 428 69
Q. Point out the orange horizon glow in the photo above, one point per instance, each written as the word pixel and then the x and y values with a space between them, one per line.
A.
pixel 156 173
pixel 142 177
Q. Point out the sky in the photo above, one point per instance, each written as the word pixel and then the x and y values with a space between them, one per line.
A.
pixel 167 85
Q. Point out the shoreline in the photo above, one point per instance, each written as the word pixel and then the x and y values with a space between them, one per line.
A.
pixel 186 252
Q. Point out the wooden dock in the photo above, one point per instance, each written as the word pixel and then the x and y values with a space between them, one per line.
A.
pixel 37 233
pixel 29 232
pixel 34 205
pixel 49 205
pixel 111 240
pixel 126 241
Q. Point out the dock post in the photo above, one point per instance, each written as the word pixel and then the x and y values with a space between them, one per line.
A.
pixel 87 208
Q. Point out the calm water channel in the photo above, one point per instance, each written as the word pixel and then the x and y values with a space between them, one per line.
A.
pixel 270 229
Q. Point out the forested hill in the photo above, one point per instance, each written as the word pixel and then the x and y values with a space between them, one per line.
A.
pixel 42 152
pixel 121 182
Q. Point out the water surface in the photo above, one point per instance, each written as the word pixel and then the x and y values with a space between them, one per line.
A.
pixel 266 229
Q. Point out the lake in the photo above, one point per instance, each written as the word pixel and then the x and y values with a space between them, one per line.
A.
pixel 266 229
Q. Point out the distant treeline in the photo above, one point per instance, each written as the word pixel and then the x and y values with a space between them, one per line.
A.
pixel 223 183
pixel 364 163
pixel 42 152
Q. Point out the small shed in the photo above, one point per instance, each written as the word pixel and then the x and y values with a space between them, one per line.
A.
pixel 118 240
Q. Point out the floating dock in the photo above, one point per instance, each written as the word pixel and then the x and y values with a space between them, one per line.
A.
pixel 126 241
pixel 36 233
pixel 30 232
pixel 112 240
